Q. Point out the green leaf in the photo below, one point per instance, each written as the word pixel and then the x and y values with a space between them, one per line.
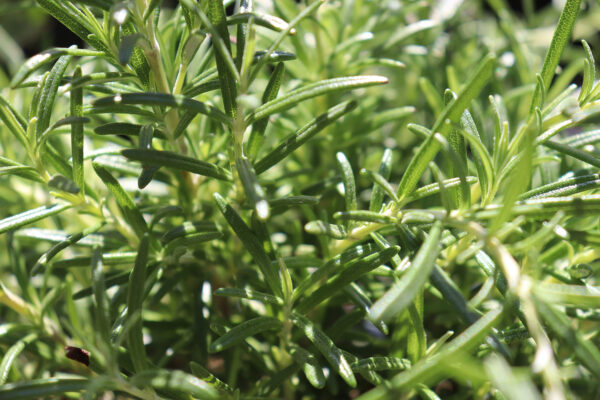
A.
pixel 569 295
pixel 589 73
pixel 260 126
pixel 46 57
pixel 76 21
pixel 64 184
pixel 130 211
pixel 333 267
pixel 325 345
pixel 177 161
pixel 285 32
pixel 302 135
pixel 178 381
pixel 243 331
pixel 364 216
pixel 135 299
pixel 584 349
pixel 100 299
pixel 385 168
pixel 310 365
pixel 165 100
pixel 380 364
pixel 561 36
pixel 228 73
pixel 323 228
pixel 128 43
pixel 579 154
pixel 254 192
pixel 48 94
pixel 123 128
pixel 28 217
pixel 564 187
pixel 432 367
pixel 348 180
pixel 42 388
pixel 206 376
pixel 309 91
pixel 14 121
pixel 63 244
pixel 191 241
pixel 77 131
pixel 249 294
pixel 252 244
pixel 400 296
pixel 268 21
pixel 11 355
pixel 189 228
pixel 449 117
pixel 349 274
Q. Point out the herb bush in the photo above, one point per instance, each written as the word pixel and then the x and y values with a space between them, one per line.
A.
pixel 373 199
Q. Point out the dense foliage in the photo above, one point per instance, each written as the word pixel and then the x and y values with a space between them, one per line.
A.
pixel 315 199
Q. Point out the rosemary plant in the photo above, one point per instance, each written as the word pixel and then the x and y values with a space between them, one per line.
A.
pixel 301 199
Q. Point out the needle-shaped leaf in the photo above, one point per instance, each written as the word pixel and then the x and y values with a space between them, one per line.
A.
pixel 135 299
pixel 364 216
pixel 348 181
pixel 77 132
pixel 584 349
pixel 251 242
pixel 177 161
pixel 42 388
pixel 48 94
pixel 28 217
pixel 288 30
pixel 325 345
pixel 130 211
pixel 385 168
pixel 243 331
pixel 14 121
pixel 123 128
pixel 333 267
pixel 403 292
pixel 589 73
pixel 302 135
pixel 270 93
pixel 449 117
pixel 11 355
pixel 127 45
pixel 249 294
pixel 162 99
pixel 309 91
pixel 207 376
pixel 191 241
pixel 77 21
pixel 189 228
pixel 268 21
pixel 100 299
pixel 254 192
pixel 310 365
pixel 64 184
pixel 561 36
pixel 177 381
pixel 564 187
pixel 571 295
pixel 46 57
pixel 579 154
pixel 323 228
pixel 349 274
pixel 380 364
pixel 431 367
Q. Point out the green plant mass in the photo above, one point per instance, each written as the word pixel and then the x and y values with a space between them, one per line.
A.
pixel 316 199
